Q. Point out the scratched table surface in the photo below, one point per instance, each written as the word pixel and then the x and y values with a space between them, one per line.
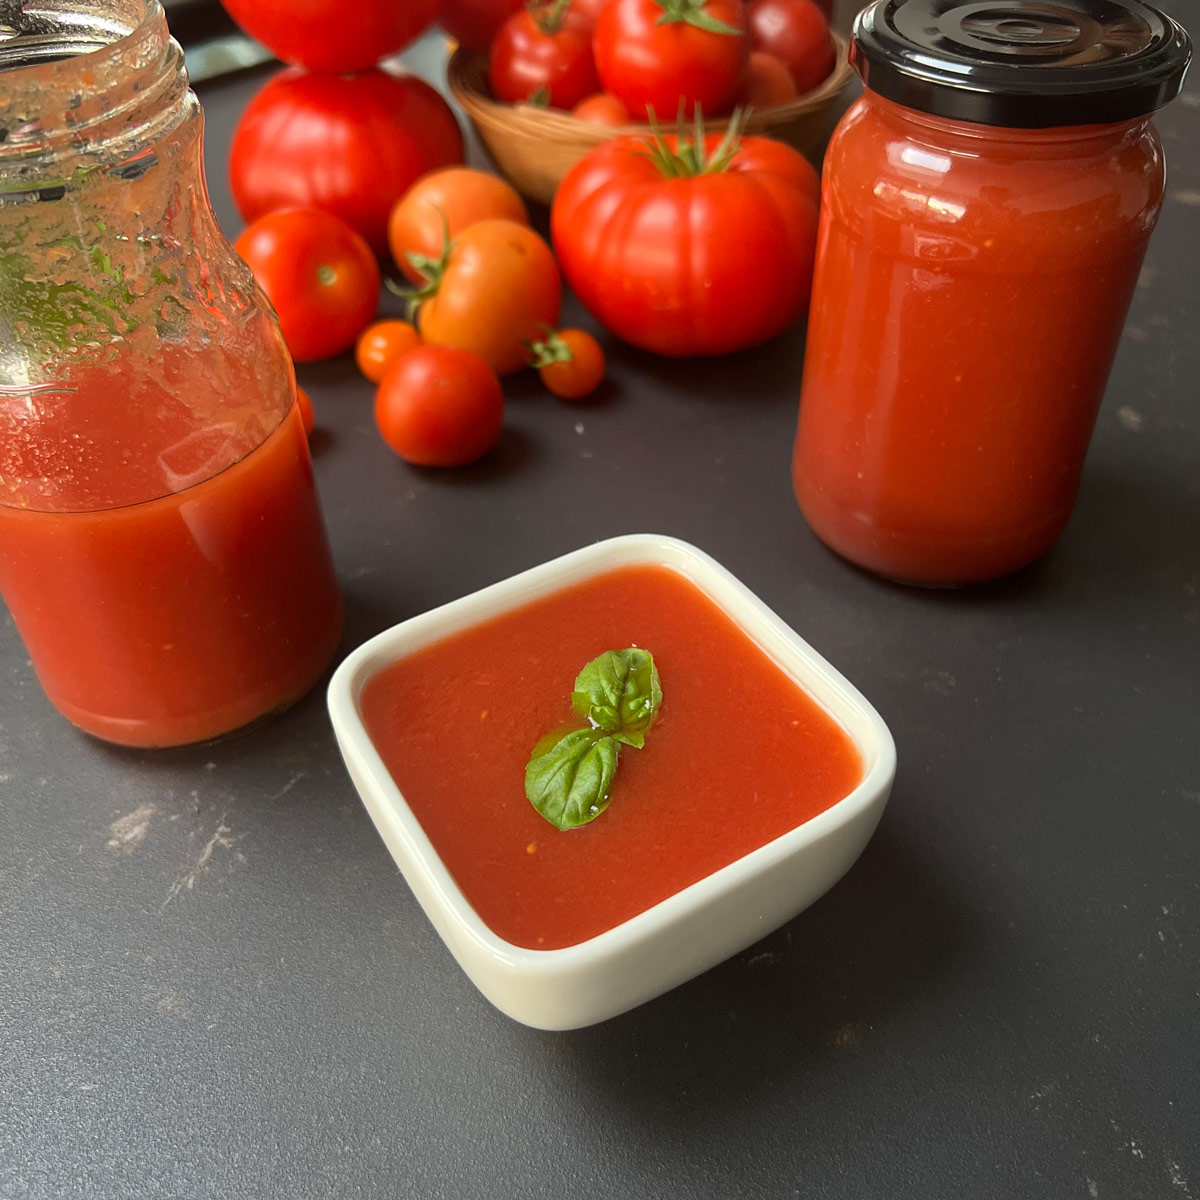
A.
pixel 213 981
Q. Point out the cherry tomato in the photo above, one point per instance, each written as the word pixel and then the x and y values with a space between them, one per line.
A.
pixel 462 196
pixel 797 32
pixel 602 109
pixel 543 54
pixel 767 81
pixel 350 144
pixel 473 23
pixel 379 346
pixel 570 363
pixel 439 406
pixel 305 405
pixel 318 273
pixel 717 258
pixel 330 35
pixel 494 290
pixel 659 54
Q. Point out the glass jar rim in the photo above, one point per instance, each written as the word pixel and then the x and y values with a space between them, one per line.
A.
pixel 86 82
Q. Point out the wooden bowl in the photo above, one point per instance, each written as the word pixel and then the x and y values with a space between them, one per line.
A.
pixel 535 147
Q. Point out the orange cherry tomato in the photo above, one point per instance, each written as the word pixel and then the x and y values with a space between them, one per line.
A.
pixel 767 81
pixel 439 406
pixel 602 109
pixel 462 196
pixel 570 363
pixel 494 290
pixel 305 405
pixel 379 346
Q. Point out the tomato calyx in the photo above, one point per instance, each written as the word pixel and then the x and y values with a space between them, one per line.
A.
pixel 551 349
pixel 549 17
pixel 689 158
pixel 692 12
pixel 430 269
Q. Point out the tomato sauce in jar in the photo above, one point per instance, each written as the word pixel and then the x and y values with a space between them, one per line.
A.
pixel 985 209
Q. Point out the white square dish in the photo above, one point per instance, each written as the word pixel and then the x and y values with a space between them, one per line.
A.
pixel 691 930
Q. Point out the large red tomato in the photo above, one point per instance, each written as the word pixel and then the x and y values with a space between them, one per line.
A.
pixel 659 54
pixel 544 53
pixel 717 258
pixel 331 35
pixel 797 32
pixel 351 144
pixel 473 23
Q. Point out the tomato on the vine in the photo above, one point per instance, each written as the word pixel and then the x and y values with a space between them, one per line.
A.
pixel 602 109
pixel 381 344
pixel 447 202
pixel 569 362
pixel 439 406
pixel 663 54
pixel 689 249
pixel 495 287
pixel 318 273
pixel 543 54
pixel 473 23
pixel 797 32
pixel 329 35
pixel 350 144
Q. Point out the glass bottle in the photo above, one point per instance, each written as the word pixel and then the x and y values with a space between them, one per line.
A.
pixel 986 206
pixel 162 551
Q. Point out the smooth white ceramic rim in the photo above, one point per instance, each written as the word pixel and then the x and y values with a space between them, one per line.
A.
pixel 822 682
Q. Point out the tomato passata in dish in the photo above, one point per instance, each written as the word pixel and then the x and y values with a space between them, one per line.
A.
pixel 739 754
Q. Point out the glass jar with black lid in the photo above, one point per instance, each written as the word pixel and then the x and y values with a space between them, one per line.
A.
pixel 986 206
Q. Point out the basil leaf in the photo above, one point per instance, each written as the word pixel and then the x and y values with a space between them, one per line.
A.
pixel 569 782
pixel 619 692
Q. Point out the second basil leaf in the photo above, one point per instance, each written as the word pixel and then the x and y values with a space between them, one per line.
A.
pixel 619 692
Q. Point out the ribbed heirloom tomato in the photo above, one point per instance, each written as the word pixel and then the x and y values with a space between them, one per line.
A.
pixel 351 144
pixel 688 247
pixel 661 54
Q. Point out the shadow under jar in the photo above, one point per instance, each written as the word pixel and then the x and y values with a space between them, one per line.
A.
pixel 162 550
pixel 985 209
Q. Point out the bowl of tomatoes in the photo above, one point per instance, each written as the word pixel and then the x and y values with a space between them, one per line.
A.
pixel 564 76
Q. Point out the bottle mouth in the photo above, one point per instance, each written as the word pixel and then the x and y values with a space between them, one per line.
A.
pixel 82 80
pixel 57 31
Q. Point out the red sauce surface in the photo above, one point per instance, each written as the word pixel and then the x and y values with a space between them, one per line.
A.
pixel 969 293
pixel 180 618
pixel 738 756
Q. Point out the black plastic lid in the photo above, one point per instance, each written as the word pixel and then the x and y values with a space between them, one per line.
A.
pixel 1028 64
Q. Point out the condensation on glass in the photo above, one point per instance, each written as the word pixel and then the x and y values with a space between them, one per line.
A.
pixel 147 401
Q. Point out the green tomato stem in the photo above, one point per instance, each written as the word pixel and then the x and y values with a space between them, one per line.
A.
pixel 693 12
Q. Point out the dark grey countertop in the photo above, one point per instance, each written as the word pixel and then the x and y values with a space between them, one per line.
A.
pixel 213 981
